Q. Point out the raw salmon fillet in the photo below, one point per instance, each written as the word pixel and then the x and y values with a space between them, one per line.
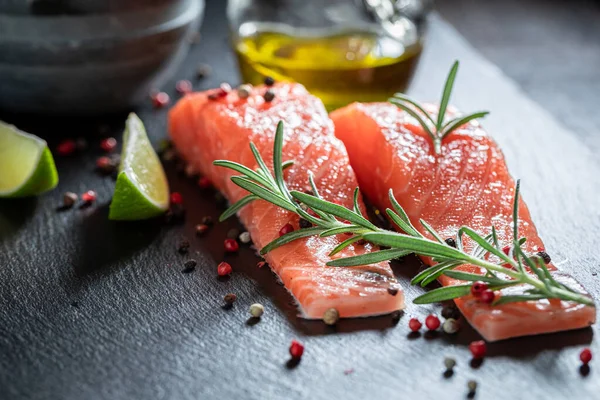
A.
pixel 467 184
pixel 205 130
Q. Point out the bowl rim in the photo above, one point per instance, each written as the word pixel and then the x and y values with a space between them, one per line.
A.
pixel 81 28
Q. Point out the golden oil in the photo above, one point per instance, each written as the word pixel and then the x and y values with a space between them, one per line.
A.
pixel 339 68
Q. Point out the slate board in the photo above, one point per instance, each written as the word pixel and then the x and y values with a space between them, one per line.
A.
pixel 92 309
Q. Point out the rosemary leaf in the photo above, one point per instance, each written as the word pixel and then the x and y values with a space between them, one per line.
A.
pixel 484 243
pixel 369 258
pixel 287 164
pixel 445 266
pixel 465 276
pixel 242 170
pixel 263 193
pixel 416 116
pixel 446 95
pixel 344 244
pixel 290 237
pixel 443 294
pixel 415 104
pixel 355 199
pixel 453 124
pixel 432 231
pixel 517 298
pixel 333 209
pixel 342 229
pixel 261 163
pixel 278 162
pixel 419 245
pixel 237 206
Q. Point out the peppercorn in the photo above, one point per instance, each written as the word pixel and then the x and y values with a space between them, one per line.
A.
pixel 225 87
pixel 269 81
pixel 296 350
pixel 478 349
pixel 414 324
pixel 230 298
pixel 487 296
pixel 544 256
pixel 331 316
pixel 203 70
pixel 245 237
pixel 477 288
pixel 451 242
pixel 105 165
pixel 449 362
pixel 450 312
pixel 176 198
pixel 257 310
pixel 89 197
pixel 161 99
pixel 204 183
pixel 183 86
pixel 450 326
pixel 287 228
pixel 269 95
pixel 108 144
pixel 69 199
pixel 393 291
pixel 224 269
pixel 201 229
pixel 183 247
pixel 472 385
pixel 304 223
pixel 244 91
pixel 506 250
pixel 66 147
pixel 585 356
pixel 432 322
pixel 189 266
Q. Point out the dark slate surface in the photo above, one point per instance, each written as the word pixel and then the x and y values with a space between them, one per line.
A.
pixel 92 309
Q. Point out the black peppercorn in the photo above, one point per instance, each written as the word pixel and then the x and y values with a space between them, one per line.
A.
pixel 451 242
pixel 544 256
pixel 269 81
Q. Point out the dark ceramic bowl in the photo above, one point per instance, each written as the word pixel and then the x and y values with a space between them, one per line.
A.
pixel 90 56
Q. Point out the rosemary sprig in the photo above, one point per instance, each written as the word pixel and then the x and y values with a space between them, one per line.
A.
pixel 331 219
pixel 436 127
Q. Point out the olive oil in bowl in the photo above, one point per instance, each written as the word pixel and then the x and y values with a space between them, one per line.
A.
pixel 339 68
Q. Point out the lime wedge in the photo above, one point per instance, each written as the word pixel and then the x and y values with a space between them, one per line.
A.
pixel 142 190
pixel 26 164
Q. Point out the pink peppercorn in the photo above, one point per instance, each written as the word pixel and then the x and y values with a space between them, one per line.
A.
pixel 183 86
pixel 176 198
pixel 160 100
pixel 108 144
pixel 478 349
pixel 224 269
pixel 89 196
pixel 66 147
pixel 432 322
pixel 231 245
pixel 296 349
pixel 414 324
pixel 585 356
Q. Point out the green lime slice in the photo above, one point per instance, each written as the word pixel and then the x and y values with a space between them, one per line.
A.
pixel 26 164
pixel 142 190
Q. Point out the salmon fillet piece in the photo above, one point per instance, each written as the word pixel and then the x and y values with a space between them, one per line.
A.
pixel 467 184
pixel 205 130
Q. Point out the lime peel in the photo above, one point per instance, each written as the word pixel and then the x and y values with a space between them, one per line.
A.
pixel 142 190
pixel 27 165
